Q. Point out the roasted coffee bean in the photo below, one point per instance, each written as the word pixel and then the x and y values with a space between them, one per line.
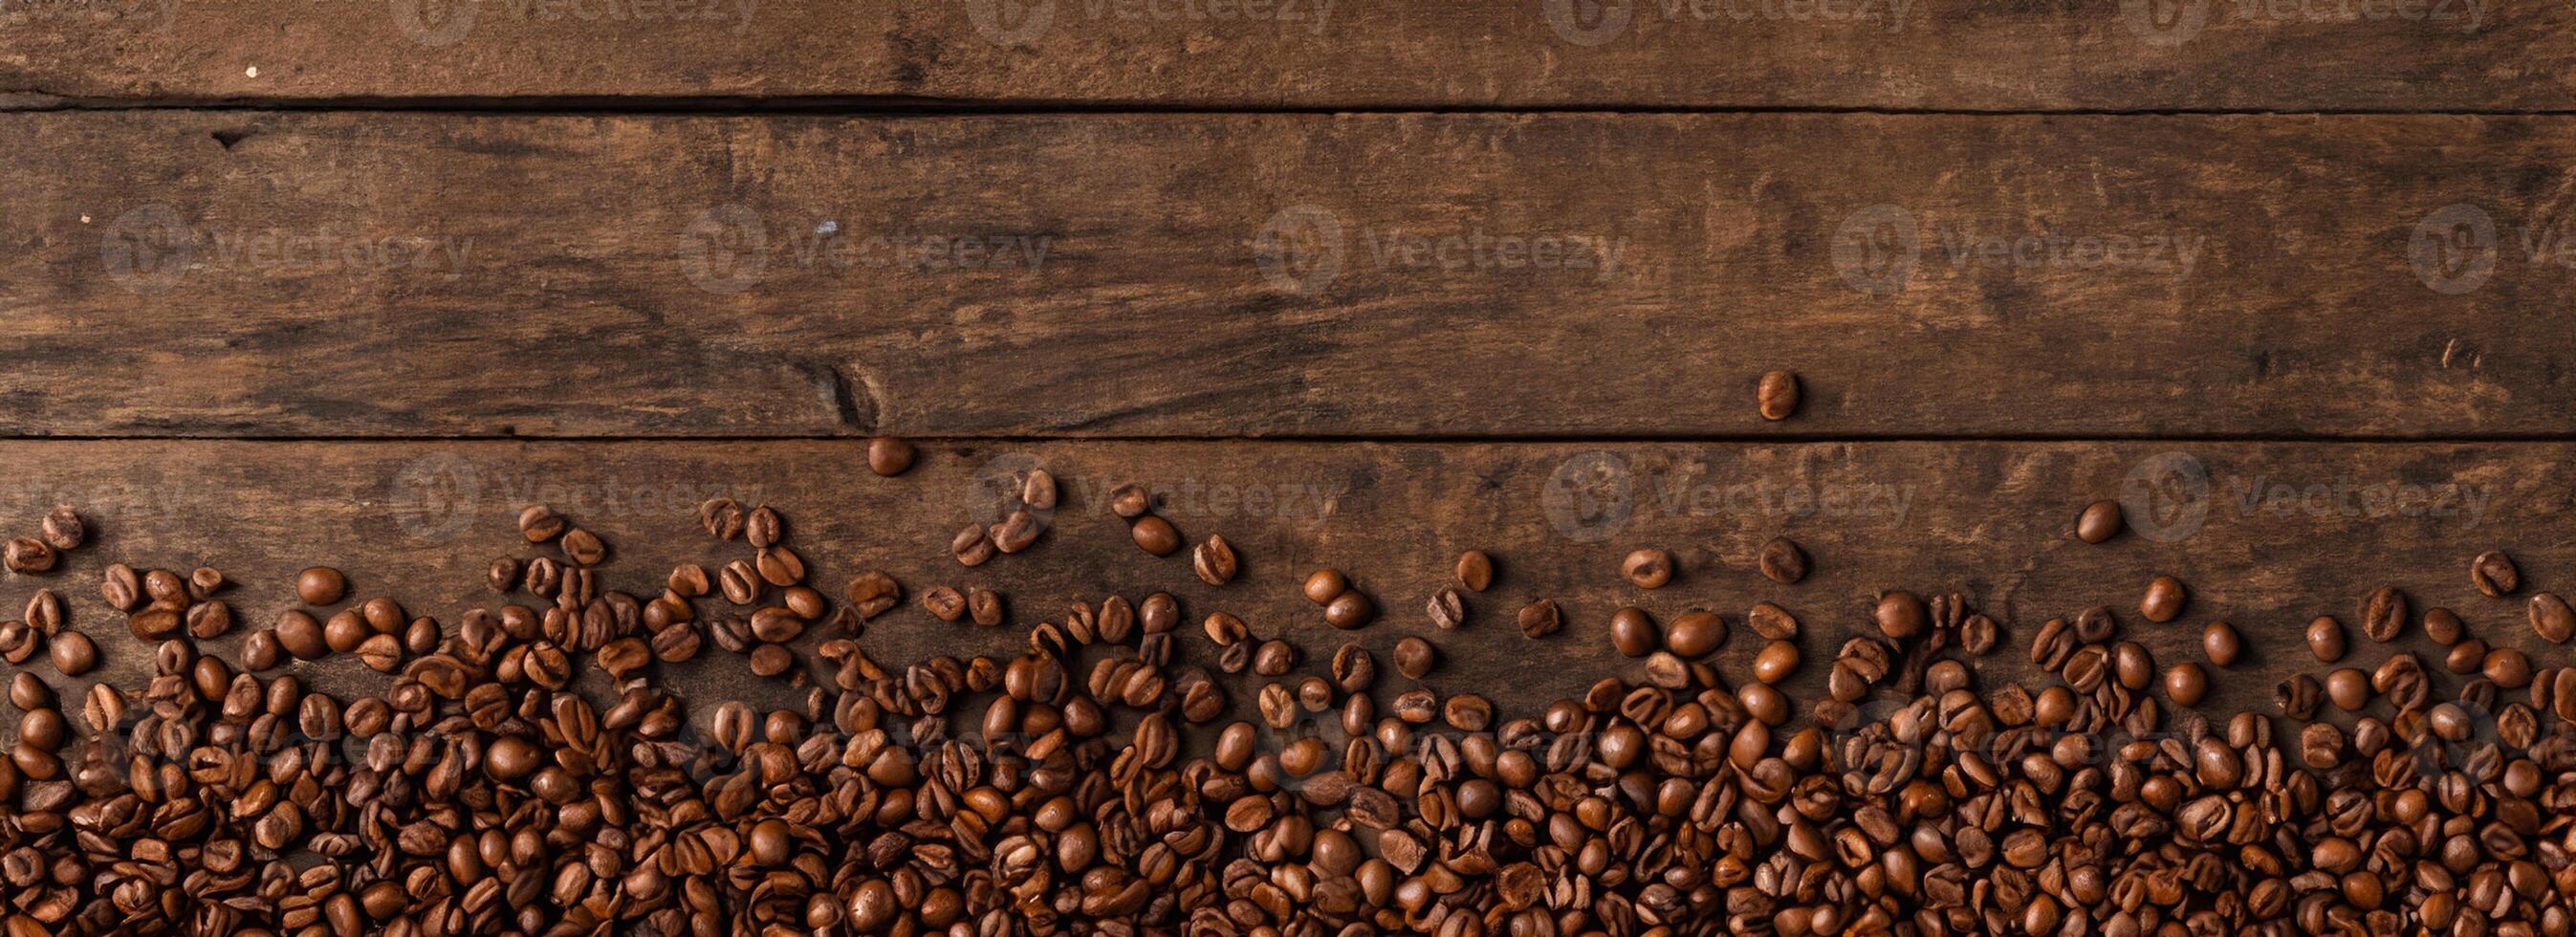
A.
pixel 2507 668
pixel 2444 627
pixel 1541 618
pixel 29 555
pixel 2220 642
pixel 1155 535
pixel 873 593
pixel 1446 609
pixel 45 611
pixel 122 589
pixel 1225 630
pixel 2325 639
pixel 1647 568
pixel 1900 615
pixel 2465 657
pixel 1783 562
pixel 1213 559
pixel 1130 501
pixel 2383 615
pixel 2348 689
pixel 2186 684
pixel 1777 395
pixel 1776 662
pixel 721 518
pixel 1274 658
pixel 944 603
pixel 984 607
pixel 73 653
pixel 1325 585
pixel 2099 521
pixel 1772 622
pixel 1475 571
pixel 2298 696
pixel 2551 618
pixel 890 456
pixel 1633 632
pixel 64 529
pixel 1414 658
pixel 1349 610
pixel 321 585
pixel 2163 600
pixel 2494 574
pixel 1695 634
pixel 1017 532
pixel 209 620
pixel 538 523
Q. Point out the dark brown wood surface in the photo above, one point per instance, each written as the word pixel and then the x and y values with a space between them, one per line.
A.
pixel 189 273
pixel 2273 534
pixel 2092 54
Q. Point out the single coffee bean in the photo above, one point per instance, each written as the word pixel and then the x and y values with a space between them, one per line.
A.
pixel 1447 610
pixel 1414 658
pixel 1777 395
pixel 1475 570
pixel 1214 561
pixel 1018 531
pixel 2298 696
pixel 1647 568
pixel 2186 683
pixel 1633 632
pixel 2321 745
pixel 2465 657
pixel 2383 615
pixel 1325 585
pixel 721 518
pixel 2507 668
pixel 45 611
pixel 64 529
pixel 1776 662
pixel 1899 615
pixel 2163 601
pixel 1783 562
pixel 122 589
pixel 73 654
pixel 973 546
pixel 2325 639
pixel 984 607
pixel 29 555
pixel 299 634
pixel 2221 643
pixel 944 603
pixel 1274 658
pixel 1130 501
pixel 1038 490
pixel 1772 622
pixel 2551 618
pixel 2099 521
pixel 890 456
pixel 539 523
pixel 321 585
pixel 1349 610
pixel 872 593
pixel 2494 574
pixel 209 620
pixel 583 547
pixel 2444 627
pixel 1695 634
pixel 1541 618
pixel 1155 535
pixel 2348 689
pixel 261 650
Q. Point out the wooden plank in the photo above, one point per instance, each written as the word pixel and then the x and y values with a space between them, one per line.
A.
pixel 2323 525
pixel 2087 54
pixel 185 273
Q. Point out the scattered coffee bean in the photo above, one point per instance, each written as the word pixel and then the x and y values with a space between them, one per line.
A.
pixel 1647 568
pixel 889 456
pixel 1475 571
pixel 1447 610
pixel 1414 658
pixel 1130 501
pixel 2383 615
pixel 1349 610
pixel 2444 627
pixel 74 655
pixel 1213 559
pixel 1777 395
pixel 2221 643
pixel 2494 574
pixel 2163 600
pixel 2100 521
pixel 1695 634
pixel 2186 683
pixel 321 585
pixel 64 529
pixel 1899 615
pixel 28 555
pixel 1776 662
pixel 1783 562
pixel 1155 535
pixel 2325 639
pixel 2551 618
pixel 1541 618
pixel 1633 632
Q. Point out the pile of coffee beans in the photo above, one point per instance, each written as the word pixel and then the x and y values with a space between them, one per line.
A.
pixel 526 769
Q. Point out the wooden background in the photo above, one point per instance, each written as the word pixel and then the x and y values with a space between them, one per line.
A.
pixel 350 281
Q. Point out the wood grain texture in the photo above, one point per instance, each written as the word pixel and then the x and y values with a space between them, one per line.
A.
pixel 2325 524
pixel 265 274
pixel 2088 54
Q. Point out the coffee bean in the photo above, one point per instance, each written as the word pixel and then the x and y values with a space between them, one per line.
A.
pixel 73 654
pixel 2298 696
pixel 1130 501
pixel 1634 633
pixel 889 456
pixel 1776 662
pixel 321 585
pixel 1772 622
pixel 2220 642
pixel 1899 615
pixel 2383 615
pixel 2348 689
pixel 721 518
pixel 2551 618
pixel 1695 634
pixel 2465 657
pixel 64 529
pixel 1155 535
pixel 1777 395
pixel 2494 574
pixel 1017 532
pixel 2163 600
pixel 1414 658
pixel 28 555
pixel 2325 639
pixel 984 607
pixel 944 603
pixel 2444 627
pixel 973 546
pixel 1349 610
pixel 2186 683
pixel 2099 521
pixel 1447 610
pixel 1541 618
pixel 1647 568
pixel 2507 668
pixel 1214 561
pixel 1783 562
pixel 1475 570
